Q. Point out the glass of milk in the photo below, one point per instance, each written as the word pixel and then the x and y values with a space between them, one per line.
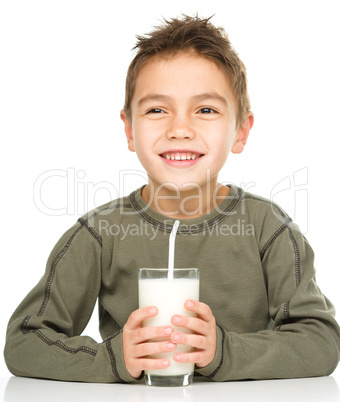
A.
pixel 168 295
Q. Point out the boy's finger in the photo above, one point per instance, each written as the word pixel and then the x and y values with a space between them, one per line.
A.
pixel 152 364
pixel 192 323
pixel 193 340
pixel 152 348
pixel 201 309
pixel 193 357
pixel 138 316
pixel 151 333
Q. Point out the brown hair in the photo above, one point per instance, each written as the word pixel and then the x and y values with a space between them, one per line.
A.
pixel 191 34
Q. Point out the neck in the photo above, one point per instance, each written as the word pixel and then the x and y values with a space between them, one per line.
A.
pixel 187 204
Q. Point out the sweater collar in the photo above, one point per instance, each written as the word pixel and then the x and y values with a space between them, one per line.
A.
pixel 191 225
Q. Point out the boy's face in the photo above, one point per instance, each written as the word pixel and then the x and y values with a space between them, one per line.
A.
pixel 181 104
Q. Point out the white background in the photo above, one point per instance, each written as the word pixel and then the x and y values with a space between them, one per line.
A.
pixel 62 77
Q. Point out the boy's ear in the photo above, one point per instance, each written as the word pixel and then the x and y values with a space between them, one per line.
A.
pixel 243 134
pixel 128 131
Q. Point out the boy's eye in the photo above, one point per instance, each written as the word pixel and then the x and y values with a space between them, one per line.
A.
pixel 207 110
pixel 155 110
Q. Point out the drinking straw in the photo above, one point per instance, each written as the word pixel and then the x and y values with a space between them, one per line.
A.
pixel 172 239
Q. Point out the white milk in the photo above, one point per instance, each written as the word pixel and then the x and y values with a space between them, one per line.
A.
pixel 169 297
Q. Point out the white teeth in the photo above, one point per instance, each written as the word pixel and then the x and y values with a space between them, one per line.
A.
pixel 178 156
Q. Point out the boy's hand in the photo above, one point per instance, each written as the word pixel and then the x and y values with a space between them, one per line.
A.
pixel 136 345
pixel 204 337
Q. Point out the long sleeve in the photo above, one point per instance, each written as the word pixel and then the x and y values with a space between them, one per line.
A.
pixel 305 340
pixel 43 337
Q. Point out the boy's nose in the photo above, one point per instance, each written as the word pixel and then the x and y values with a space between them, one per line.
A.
pixel 180 129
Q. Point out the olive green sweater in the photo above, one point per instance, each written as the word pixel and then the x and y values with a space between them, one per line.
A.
pixel 256 274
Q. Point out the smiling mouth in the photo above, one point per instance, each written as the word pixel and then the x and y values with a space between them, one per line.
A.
pixel 181 157
pixel 181 160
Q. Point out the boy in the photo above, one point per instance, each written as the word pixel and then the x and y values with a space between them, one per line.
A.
pixel 260 315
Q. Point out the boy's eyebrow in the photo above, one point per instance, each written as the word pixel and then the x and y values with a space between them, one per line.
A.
pixel 154 97
pixel 199 97
pixel 211 96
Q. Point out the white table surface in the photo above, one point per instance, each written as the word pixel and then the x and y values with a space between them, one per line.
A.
pixel 320 389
